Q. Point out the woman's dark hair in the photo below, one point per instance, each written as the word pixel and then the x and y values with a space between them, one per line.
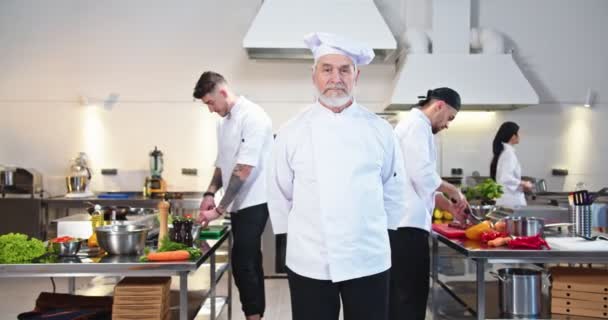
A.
pixel 504 134
pixel 207 83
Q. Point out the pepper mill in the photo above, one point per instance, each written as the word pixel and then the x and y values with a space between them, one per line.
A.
pixel 177 230
pixel 188 233
pixel 163 218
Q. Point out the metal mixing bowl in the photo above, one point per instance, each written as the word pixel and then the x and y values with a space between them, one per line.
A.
pixel 66 249
pixel 122 239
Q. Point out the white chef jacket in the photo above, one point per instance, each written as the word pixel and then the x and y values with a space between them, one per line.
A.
pixel 335 187
pixel 508 175
pixel 244 136
pixel 417 141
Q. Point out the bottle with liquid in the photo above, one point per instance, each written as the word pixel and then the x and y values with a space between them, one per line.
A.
pixel 96 217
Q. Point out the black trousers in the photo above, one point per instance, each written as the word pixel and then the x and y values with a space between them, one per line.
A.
pixel 363 298
pixel 247 227
pixel 409 284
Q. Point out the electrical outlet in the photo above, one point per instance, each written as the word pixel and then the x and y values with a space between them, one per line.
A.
pixel 189 171
pixel 109 172
pixel 456 171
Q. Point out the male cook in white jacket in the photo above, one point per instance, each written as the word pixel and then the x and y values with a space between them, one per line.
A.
pixel 409 244
pixel 336 185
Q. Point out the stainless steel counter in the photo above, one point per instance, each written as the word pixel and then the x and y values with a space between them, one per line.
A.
pixel 476 250
pixel 481 255
pixel 130 266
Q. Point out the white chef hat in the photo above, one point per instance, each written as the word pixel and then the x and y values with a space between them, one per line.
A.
pixel 321 43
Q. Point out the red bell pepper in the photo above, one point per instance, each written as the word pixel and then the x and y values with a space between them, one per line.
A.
pixel 534 243
pixel 491 235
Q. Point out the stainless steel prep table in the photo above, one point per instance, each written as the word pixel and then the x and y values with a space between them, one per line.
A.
pixel 481 254
pixel 130 266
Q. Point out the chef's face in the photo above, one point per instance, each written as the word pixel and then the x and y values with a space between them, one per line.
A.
pixel 335 77
pixel 443 116
pixel 216 101
pixel 514 139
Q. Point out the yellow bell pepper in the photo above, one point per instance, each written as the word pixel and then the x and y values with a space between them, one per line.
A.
pixel 474 232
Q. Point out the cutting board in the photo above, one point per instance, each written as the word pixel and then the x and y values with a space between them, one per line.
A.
pixel 577 244
pixel 450 232
pixel 213 232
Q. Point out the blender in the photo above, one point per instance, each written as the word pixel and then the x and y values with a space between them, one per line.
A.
pixel 79 178
pixel 155 186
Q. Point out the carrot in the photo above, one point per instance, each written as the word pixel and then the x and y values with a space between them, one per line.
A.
pixel 498 242
pixel 169 255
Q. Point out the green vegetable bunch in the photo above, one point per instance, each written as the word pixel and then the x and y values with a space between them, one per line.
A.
pixel 168 245
pixel 16 248
pixel 487 192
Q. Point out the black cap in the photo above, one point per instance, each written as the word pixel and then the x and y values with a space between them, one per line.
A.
pixel 444 94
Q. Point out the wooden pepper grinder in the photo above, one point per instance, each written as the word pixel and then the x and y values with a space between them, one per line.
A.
pixel 163 218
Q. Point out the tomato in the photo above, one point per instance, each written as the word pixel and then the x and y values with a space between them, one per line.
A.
pixel 62 239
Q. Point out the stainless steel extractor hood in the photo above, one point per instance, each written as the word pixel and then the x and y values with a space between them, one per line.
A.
pixel 487 80
pixel 278 30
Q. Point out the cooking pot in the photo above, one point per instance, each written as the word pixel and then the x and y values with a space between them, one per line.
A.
pixel 520 291
pixel 524 226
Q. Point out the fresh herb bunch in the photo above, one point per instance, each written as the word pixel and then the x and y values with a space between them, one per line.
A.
pixel 16 248
pixel 486 192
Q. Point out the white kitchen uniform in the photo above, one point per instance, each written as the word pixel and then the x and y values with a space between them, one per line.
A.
pixel 336 185
pixel 508 175
pixel 417 142
pixel 244 136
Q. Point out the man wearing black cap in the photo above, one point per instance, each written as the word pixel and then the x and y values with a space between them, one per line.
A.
pixel 410 254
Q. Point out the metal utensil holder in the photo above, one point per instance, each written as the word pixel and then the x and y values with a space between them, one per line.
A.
pixel 580 217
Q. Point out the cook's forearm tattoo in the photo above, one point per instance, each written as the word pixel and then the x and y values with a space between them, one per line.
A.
pixel 239 175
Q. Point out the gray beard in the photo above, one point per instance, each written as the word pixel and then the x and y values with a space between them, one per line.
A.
pixel 334 102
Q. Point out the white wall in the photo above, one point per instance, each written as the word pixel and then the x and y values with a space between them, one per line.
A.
pixel 151 53
pixel 561 46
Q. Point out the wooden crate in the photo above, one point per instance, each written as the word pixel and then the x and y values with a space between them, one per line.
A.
pixel 579 312
pixel 142 298
pixel 580 279
pixel 142 286
pixel 584 304
pixel 578 295
pixel 167 316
